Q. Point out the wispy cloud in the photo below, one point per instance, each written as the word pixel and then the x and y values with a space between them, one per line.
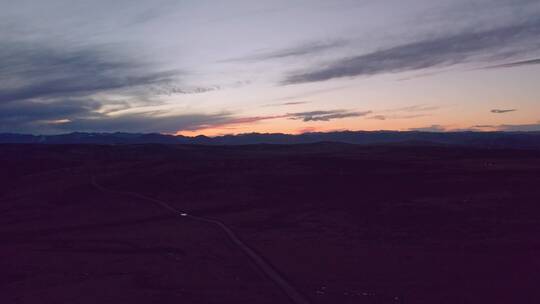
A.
pixel 533 127
pixel 415 108
pixel 306 49
pixel 378 117
pixel 394 116
pixel 307 130
pixel 232 121
pixel 408 112
pixel 169 89
pixel 326 115
pixel 493 44
pixel 291 103
pixel 516 64
pixel 432 128
pixel 483 126
pixel 502 111
pixel 520 128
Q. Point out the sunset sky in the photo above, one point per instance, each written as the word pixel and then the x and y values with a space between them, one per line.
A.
pixel 225 67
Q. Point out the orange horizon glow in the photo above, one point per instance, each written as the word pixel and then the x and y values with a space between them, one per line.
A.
pixel 216 132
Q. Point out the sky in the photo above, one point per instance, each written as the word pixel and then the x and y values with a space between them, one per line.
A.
pixel 200 67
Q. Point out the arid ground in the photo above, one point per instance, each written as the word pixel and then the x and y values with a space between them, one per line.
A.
pixel 342 223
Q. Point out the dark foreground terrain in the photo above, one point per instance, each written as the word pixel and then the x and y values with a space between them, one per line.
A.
pixel 342 223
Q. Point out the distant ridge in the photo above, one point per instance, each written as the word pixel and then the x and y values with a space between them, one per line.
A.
pixel 518 140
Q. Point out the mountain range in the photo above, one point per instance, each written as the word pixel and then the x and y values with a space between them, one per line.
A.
pixel 518 140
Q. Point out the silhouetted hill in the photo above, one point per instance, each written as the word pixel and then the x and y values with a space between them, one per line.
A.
pixel 520 140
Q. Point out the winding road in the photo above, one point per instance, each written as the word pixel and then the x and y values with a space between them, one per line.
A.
pixel 295 296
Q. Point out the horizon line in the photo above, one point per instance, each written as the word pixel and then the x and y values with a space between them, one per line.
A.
pixel 275 133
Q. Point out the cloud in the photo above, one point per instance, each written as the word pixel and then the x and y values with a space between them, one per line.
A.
pixel 85 115
pixel 415 108
pixel 232 121
pixel 385 117
pixel 515 64
pixel 38 70
pixel 484 126
pixel 307 130
pixel 46 110
pixel 305 49
pixel 171 89
pixel 534 127
pixel 31 115
pixel 493 44
pixel 150 122
pixel 151 11
pixel 325 115
pixel 146 122
pixel 377 117
pixel 292 103
pixel 520 128
pixel 499 111
pixel 432 128
pixel 408 112
pixel 53 89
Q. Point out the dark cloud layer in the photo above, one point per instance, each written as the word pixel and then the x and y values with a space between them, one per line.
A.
pixel 48 89
pixel 80 114
pixel 146 122
pixel 38 70
pixel 494 44
pixel 47 110
pixel 42 69
pixel 44 116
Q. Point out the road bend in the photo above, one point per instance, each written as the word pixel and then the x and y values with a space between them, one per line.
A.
pixel 294 295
